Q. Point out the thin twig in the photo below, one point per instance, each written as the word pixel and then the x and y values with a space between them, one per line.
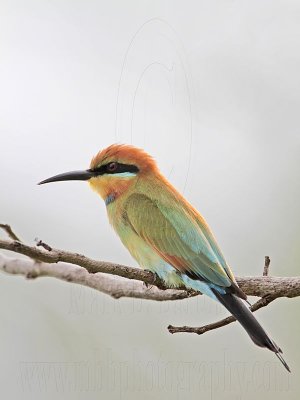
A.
pixel 266 266
pixel 42 244
pixel 7 228
pixel 263 302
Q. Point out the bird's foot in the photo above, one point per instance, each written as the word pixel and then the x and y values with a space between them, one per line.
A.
pixel 155 279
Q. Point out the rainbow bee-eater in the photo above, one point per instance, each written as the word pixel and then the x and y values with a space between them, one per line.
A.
pixel 164 232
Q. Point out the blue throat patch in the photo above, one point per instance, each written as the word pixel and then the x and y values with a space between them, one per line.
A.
pixel 109 199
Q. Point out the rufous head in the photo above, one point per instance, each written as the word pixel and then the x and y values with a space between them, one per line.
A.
pixel 118 167
pixel 113 170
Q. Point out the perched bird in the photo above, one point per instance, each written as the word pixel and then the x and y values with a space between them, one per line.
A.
pixel 163 232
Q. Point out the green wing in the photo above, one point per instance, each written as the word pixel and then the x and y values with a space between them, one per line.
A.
pixel 177 237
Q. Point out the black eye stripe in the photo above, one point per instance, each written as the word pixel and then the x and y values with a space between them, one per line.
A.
pixel 124 168
pixel 118 170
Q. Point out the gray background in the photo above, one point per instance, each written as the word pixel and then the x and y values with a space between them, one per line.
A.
pixel 211 89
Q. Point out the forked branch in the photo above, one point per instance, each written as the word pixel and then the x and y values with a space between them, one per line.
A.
pixel 119 280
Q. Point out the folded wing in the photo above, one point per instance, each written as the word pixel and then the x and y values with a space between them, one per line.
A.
pixel 178 238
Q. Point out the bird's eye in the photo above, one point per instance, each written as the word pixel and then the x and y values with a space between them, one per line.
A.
pixel 112 167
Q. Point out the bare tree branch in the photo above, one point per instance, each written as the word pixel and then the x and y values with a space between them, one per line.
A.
pixel 252 286
pixel 92 266
pixel 119 280
pixel 112 285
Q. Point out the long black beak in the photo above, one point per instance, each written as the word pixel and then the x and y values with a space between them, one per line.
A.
pixel 70 176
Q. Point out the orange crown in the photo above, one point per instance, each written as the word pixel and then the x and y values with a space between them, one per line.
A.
pixel 125 154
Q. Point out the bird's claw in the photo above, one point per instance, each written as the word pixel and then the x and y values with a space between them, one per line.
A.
pixel 155 278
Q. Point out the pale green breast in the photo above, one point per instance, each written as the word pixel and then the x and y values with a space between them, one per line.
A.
pixel 138 248
pixel 144 254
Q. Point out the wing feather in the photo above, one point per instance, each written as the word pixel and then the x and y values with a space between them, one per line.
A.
pixel 175 235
